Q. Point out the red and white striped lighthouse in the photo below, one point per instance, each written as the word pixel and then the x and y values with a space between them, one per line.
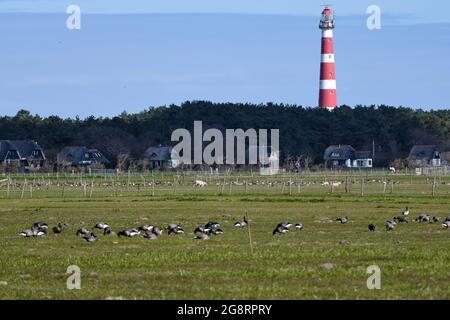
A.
pixel 327 94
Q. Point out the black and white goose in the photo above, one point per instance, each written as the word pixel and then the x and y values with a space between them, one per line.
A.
pixel 216 231
pixel 423 218
pixel 107 230
pixel 435 219
pixel 174 229
pixel 27 233
pixel 389 226
pixel 298 226
pixel 101 225
pixel 203 229
pixel 202 236
pixel 90 238
pixel 129 233
pixel 241 224
pixel 82 231
pixel 372 227
pixel 146 227
pixel 280 229
pixel 401 219
pixel 57 229
pixel 342 220
pixel 157 230
pixel 213 225
pixel 40 225
pixel 446 225
pixel 406 211
pixel 151 236
pixel 447 219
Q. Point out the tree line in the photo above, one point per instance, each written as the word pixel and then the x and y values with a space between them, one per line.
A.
pixel 304 132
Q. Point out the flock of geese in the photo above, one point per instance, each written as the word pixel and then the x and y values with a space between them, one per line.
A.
pixel 205 232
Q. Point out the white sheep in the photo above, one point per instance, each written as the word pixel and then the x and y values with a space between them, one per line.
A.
pixel 200 184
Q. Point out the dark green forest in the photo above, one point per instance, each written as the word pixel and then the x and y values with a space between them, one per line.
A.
pixel 304 132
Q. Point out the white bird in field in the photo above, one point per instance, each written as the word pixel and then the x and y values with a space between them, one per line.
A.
pixel 298 226
pixel 406 211
pixel 446 224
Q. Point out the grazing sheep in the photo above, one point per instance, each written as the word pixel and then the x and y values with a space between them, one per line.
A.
pixel 200 184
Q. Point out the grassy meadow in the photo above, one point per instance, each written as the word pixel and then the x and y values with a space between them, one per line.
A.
pixel 325 260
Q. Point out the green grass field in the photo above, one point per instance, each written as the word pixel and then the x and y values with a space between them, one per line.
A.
pixel 414 259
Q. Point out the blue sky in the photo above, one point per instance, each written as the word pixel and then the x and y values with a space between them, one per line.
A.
pixel 220 50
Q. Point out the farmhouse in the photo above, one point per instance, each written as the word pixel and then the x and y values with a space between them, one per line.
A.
pixel 80 156
pixel 159 157
pixel 24 153
pixel 346 156
pixel 424 156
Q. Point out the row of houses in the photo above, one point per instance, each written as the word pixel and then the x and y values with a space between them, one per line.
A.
pixel 346 156
pixel 30 155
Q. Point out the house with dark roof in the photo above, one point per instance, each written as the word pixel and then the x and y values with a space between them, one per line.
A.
pixel 80 156
pixel 25 153
pixel 345 156
pixel 159 157
pixel 424 156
